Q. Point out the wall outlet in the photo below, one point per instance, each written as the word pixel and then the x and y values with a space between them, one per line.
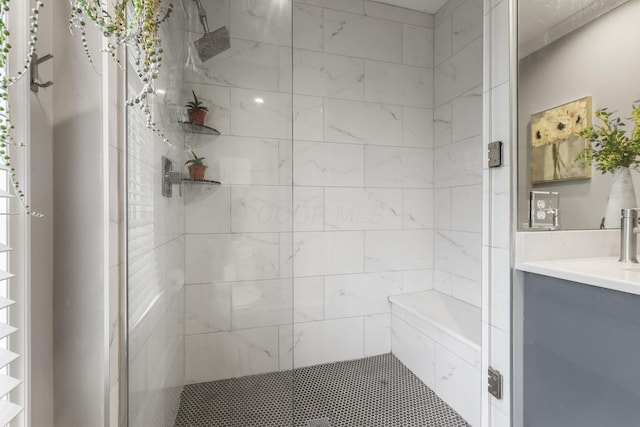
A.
pixel 544 210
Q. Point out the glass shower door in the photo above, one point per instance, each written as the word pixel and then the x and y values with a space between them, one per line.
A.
pixel 210 292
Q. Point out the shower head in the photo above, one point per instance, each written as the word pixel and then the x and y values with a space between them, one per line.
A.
pixel 211 44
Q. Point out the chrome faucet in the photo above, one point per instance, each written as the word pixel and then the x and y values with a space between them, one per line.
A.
pixel 628 236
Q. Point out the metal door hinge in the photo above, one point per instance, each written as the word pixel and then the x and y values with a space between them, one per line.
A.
pixel 495 154
pixel 495 383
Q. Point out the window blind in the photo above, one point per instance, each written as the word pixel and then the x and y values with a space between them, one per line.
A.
pixel 9 380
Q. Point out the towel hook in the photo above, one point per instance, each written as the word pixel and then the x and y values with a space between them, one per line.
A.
pixel 35 85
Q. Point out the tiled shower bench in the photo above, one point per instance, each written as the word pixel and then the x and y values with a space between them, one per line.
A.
pixel 438 338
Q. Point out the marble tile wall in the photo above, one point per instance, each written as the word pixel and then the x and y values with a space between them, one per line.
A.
pixel 327 191
pixel 497 232
pixel 458 150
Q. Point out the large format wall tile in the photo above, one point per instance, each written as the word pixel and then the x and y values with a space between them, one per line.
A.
pixel 360 294
pixel 377 334
pixel 231 257
pixel 466 24
pixel 417 208
pixel 260 114
pixel 398 84
pixel 242 160
pixel 308 118
pixel 398 167
pixel 246 64
pixel 322 74
pixel 457 74
pixel 360 36
pixel 324 164
pixel 307 27
pixel 308 299
pixel 417 46
pixel 328 341
pixel 211 214
pixel 459 163
pixel 458 384
pixel 207 308
pixel 456 249
pixel 362 122
pixel 398 250
pixel 466 115
pixel 414 349
pixel 211 357
pixel 417 127
pixel 362 209
pixel 261 209
pixel 325 253
pixel 308 208
pixel 261 303
pixel 262 21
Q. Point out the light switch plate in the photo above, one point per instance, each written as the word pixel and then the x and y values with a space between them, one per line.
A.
pixel 544 207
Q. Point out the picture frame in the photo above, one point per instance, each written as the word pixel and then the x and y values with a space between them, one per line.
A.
pixel 555 144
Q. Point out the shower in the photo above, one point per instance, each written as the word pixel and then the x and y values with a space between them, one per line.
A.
pixel 327 270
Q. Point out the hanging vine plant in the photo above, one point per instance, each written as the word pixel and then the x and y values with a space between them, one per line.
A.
pixel 6 81
pixel 135 24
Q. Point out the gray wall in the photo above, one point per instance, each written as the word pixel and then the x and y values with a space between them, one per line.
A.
pixel 597 60
pixel 80 377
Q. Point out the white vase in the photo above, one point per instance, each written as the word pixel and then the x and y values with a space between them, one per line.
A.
pixel 621 196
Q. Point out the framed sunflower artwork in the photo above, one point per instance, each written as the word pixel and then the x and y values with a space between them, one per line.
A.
pixel 555 143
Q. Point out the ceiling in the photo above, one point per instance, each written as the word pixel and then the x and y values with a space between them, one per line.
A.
pixel 429 6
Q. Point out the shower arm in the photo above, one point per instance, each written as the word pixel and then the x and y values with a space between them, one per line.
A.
pixel 202 14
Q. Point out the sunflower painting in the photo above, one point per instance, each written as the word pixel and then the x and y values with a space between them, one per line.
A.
pixel 555 144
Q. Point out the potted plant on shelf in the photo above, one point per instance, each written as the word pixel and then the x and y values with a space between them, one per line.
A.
pixel 197 111
pixel 614 152
pixel 197 168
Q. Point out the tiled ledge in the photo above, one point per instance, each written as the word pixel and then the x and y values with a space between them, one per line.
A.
pixel 452 316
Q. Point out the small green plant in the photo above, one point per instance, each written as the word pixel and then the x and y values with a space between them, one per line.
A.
pixel 196 104
pixel 195 161
pixel 611 146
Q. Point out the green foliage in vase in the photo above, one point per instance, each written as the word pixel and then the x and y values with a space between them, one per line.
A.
pixel 611 146
pixel 135 24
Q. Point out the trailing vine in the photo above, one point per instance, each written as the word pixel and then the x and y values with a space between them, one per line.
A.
pixel 135 24
pixel 6 81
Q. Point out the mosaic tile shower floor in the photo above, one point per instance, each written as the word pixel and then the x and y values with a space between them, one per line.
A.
pixel 376 391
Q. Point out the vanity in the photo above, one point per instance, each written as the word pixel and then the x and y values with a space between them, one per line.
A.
pixel 576 330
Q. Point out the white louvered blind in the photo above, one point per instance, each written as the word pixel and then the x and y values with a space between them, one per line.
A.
pixel 8 381
pixel 13 229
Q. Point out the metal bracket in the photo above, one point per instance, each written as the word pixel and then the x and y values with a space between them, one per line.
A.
pixel 35 62
pixel 495 383
pixel 170 178
pixel 495 154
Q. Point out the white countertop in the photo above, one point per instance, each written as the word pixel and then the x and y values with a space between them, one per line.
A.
pixel 604 272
